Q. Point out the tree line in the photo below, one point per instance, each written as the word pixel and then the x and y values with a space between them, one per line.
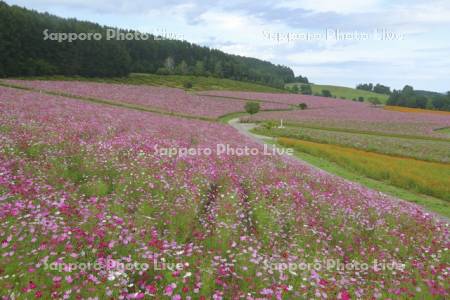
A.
pixel 377 88
pixel 24 52
pixel 409 97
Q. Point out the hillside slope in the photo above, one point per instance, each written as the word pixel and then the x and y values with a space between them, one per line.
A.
pixel 343 92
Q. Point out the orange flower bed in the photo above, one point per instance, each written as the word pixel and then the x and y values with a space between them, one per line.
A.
pixel 416 110
pixel 429 178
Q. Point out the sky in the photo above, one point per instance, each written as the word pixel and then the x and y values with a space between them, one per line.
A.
pixel 331 42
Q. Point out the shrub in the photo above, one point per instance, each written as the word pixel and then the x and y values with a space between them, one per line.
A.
pixel 252 107
pixel 305 89
pixel 374 100
pixel 187 85
pixel 361 99
pixel 269 124
pixel 163 71
pixel 326 93
pixel 302 106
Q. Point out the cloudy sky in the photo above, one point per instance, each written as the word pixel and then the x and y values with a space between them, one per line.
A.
pixel 392 42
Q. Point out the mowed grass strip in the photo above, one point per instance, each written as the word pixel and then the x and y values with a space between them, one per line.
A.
pixel 199 83
pixel 428 178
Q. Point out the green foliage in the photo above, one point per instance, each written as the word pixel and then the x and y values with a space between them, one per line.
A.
pixel 269 125
pixel 408 97
pixel 378 88
pixel 295 89
pixel 374 100
pixel 365 86
pixel 252 107
pixel 187 85
pixel 301 79
pixel 361 99
pixel 326 93
pixel 381 89
pixel 306 89
pixel 302 106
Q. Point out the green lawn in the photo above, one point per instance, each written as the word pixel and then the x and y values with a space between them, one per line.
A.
pixel 344 92
pixel 444 130
pixel 199 83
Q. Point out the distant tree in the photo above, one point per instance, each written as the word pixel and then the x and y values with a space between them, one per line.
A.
pixel 365 86
pixel 199 68
pixel 303 106
pixel 429 104
pixel 169 63
pixel 252 107
pixel 408 90
pixel 326 93
pixel 382 89
pixel 295 89
pixel 183 68
pixel 218 70
pixel 439 102
pixel 301 79
pixel 421 101
pixel 305 89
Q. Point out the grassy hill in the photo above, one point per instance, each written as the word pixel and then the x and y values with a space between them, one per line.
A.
pixel 199 83
pixel 343 92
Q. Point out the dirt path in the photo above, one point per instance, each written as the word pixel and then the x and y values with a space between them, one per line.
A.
pixel 245 129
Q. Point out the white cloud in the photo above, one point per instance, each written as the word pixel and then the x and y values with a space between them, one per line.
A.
pixel 341 7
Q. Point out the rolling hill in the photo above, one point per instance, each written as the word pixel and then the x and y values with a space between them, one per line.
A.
pixel 343 92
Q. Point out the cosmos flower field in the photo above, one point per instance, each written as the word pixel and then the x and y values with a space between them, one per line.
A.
pixel 167 99
pixel 329 112
pixel 89 209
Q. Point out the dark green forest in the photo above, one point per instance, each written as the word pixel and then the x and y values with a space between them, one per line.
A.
pixel 409 97
pixel 419 99
pixel 24 52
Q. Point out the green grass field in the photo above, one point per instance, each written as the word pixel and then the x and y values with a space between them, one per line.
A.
pixel 444 130
pixel 343 92
pixel 199 83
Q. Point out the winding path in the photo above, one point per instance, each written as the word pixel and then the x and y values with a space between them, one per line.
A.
pixel 245 129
